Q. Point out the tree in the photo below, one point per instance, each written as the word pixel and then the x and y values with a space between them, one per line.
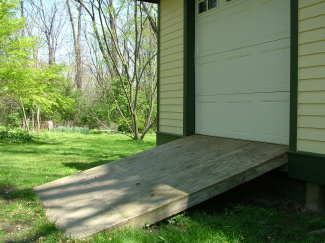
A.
pixel 21 82
pixel 46 17
pixel 14 51
pixel 76 34
pixel 127 42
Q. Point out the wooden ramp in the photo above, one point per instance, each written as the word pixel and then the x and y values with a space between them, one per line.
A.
pixel 155 184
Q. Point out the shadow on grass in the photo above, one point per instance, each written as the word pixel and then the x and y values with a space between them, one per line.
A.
pixel 42 232
pixel 43 142
pixel 257 211
pixel 10 192
pixel 86 166
pixel 33 142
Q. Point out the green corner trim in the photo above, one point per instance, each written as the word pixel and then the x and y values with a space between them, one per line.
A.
pixel 158 70
pixel 189 68
pixel 294 76
pixel 166 137
pixel 309 167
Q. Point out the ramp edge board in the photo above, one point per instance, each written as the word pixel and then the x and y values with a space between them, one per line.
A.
pixel 221 150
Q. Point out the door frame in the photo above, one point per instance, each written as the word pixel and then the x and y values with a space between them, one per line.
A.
pixel 189 71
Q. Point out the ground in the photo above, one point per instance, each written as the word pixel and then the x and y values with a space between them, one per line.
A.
pixel 231 217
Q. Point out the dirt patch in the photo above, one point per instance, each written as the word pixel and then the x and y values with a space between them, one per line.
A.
pixel 7 228
pixel 12 228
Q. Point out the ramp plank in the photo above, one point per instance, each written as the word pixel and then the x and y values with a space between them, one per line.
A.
pixel 156 184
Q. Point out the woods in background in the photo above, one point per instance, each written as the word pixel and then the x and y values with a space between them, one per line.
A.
pixel 89 63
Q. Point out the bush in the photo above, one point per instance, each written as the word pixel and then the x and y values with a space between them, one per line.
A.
pixel 13 120
pixel 15 136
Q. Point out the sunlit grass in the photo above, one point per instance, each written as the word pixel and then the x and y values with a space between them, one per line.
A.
pixel 55 155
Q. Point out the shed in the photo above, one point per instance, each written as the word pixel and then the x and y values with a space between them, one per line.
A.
pixel 252 70
pixel 241 85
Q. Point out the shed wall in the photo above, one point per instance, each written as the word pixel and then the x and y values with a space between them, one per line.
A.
pixel 311 77
pixel 171 66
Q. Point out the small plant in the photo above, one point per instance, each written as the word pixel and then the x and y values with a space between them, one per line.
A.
pixel 15 136
pixel 177 219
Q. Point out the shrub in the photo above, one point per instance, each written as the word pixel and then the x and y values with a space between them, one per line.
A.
pixel 13 120
pixel 15 136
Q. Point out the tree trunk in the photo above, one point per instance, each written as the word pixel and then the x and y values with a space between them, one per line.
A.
pixel 51 54
pixel 33 119
pixel 76 34
pixel 78 78
pixel 78 74
pixel 38 119
pixel 22 15
pixel 25 122
pixel 127 59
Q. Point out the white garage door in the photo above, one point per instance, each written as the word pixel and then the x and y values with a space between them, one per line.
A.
pixel 243 69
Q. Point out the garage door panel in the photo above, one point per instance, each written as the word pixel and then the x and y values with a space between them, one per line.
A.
pixel 248 98
pixel 243 70
pixel 238 25
pixel 248 116
pixel 225 70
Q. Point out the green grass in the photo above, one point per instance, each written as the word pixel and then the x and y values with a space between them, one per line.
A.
pixel 22 219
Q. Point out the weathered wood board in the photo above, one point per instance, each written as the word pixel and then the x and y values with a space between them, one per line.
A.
pixel 156 184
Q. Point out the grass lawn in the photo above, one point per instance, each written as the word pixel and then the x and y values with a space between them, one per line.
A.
pixel 22 219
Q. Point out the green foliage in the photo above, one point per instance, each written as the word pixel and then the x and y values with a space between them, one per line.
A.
pixel 128 62
pixel 94 114
pixel 29 88
pixel 13 119
pixel 81 130
pixel 23 83
pixel 121 103
pixel 15 136
pixel 42 87
pixel 15 50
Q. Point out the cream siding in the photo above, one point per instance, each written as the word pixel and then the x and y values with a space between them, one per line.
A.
pixel 311 84
pixel 171 66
